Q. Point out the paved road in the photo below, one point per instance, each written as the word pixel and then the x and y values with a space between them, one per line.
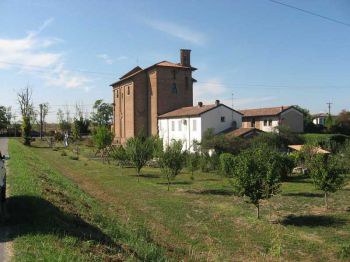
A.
pixel 3 231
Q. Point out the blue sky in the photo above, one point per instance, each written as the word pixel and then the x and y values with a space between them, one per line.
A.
pixel 264 53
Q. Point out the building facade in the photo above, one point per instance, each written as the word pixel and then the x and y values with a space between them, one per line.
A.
pixel 141 95
pixel 188 124
pixel 268 119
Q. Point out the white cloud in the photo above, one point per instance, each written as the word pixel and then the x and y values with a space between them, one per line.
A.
pixel 105 58
pixel 213 89
pixel 179 31
pixel 210 88
pixel 30 54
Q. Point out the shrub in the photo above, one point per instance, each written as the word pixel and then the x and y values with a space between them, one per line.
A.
pixel 326 172
pixel 172 160
pixel 119 154
pixel 256 174
pixel 102 137
pixel 192 162
pixel 139 150
pixel 74 157
pixel 63 153
pixel 227 162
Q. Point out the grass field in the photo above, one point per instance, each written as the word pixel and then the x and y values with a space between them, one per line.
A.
pixel 85 210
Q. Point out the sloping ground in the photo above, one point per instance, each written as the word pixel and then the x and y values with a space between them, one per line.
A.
pixel 196 220
pixel 53 220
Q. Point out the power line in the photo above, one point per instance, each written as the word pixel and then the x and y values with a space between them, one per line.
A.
pixel 43 69
pixel 311 13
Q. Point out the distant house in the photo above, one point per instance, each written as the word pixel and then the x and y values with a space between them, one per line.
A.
pixel 267 119
pixel 244 132
pixel 319 119
pixel 188 124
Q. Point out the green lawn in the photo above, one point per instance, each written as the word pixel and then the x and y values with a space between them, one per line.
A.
pixel 82 209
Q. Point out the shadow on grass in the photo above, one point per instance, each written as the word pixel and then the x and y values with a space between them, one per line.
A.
pixel 219 192
pixel 33 215
pixel 150 176
pixel 209 179
pixel 304 194
pixel 299 179
pixel 176 183
pixel 312 221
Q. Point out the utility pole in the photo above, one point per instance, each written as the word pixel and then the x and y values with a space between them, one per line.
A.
pixel 329 108
pixel 41 121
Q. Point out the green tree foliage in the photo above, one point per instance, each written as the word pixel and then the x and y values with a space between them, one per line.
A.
pixel 192 162
pixel 257 174
pixel 80 124
pixel 64 121
pixel 326 172
pixel 5 117
pixel 342 122
pixel 102 137
pixel 139 150
pixel 25 102
pixel 227 164
pixel 329 123
pixel 103 113
pixel 119 155
pixel 172 160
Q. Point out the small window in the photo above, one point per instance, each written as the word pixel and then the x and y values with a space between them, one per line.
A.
pixel 117 93
pixel 270 122
pixel 223 119
pixel 128 90
pixel 194 125
pixel 174 88
pixel 252 123
pixel 180 125
pixel 265 122
pixel 174 74
pixel 185 122
pixel 172 125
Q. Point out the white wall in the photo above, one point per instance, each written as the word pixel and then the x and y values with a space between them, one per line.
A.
pixel 269 128
pixel 187 134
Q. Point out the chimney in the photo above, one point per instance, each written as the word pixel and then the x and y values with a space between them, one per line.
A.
pixel 217 102
pixel 185 57
pixel 200 104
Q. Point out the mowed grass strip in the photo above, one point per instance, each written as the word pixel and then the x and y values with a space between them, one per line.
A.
pixel 202 219
pixel 51 219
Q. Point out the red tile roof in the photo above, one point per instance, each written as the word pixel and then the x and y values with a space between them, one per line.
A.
pixel 138 69
pixel 188 111
pixel 271 111
pixel 243 131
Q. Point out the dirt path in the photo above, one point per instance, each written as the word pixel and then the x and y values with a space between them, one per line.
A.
pixel 5 246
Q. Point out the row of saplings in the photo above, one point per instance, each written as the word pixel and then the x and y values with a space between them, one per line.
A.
pixel 255 173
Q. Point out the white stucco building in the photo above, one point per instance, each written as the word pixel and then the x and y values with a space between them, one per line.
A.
pixel 188 124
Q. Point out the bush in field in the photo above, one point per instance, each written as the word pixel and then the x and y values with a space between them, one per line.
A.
pixel 119 154
pixel 139 150
pixel 326 172
pixel 172 160
pixel 256 174
pixel 227 163
pixel 192 162
pixel 286 165
pixel 102 137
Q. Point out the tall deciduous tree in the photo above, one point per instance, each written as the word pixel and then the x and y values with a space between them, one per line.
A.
pixel 172 160
pixel 257 174
pixel 103 113
pixel 5 117
pixel 139 150
pixel 24 98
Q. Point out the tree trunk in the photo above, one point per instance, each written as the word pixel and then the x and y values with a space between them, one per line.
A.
pixel 138 175
pixel 325 200
pixel 168 183
pixel 258 211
